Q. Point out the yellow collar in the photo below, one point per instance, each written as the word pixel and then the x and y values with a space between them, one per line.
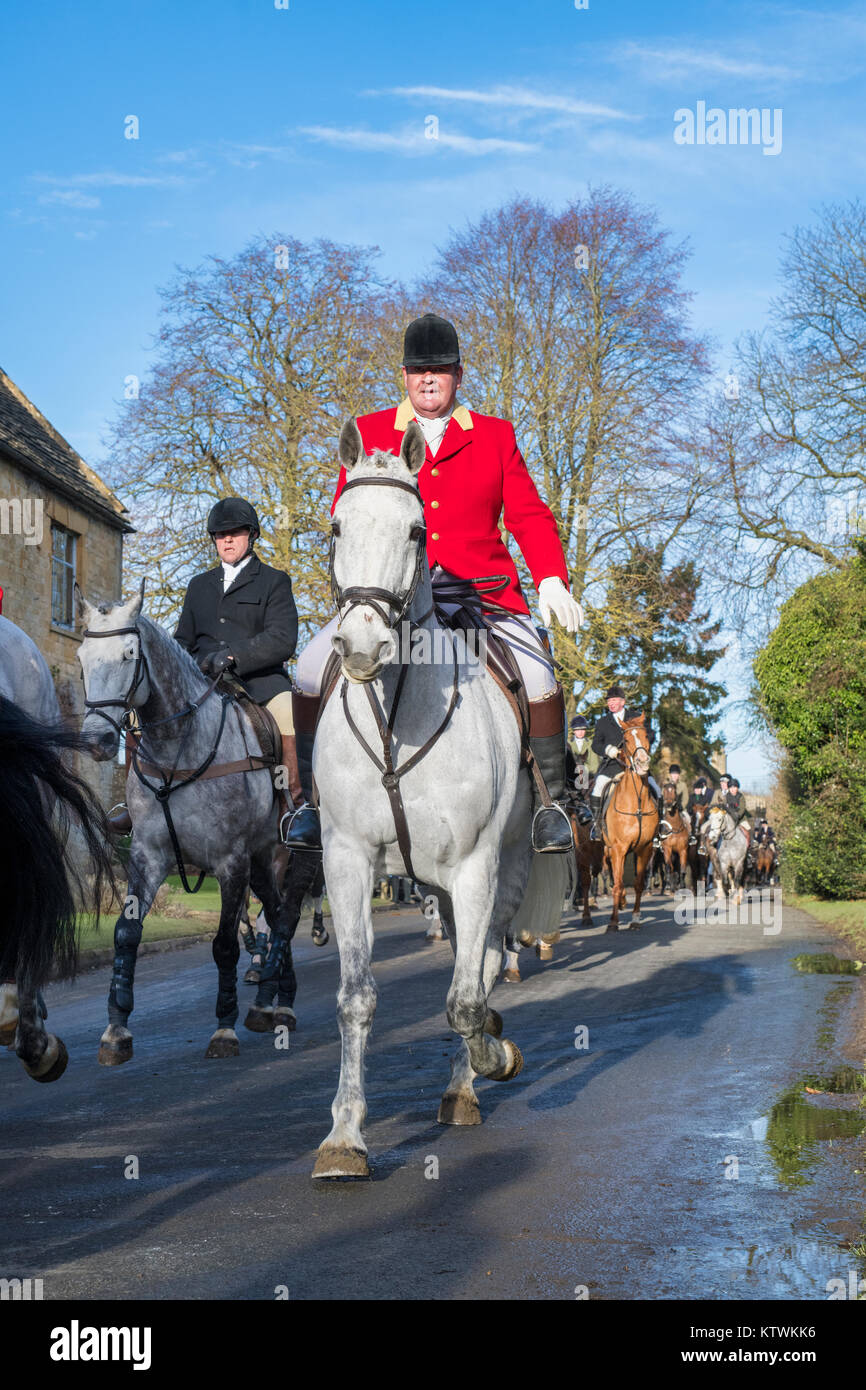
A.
pixel 406 412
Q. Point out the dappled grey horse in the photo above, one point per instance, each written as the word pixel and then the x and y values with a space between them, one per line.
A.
pixel 55 869
pixel 433 742
pixel 730 858
pixel 185 807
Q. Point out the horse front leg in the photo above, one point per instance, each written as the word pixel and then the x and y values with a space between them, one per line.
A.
pixel 44 1056
pixel 642 858
pixel 459 1104
pixel 233 879
pixel 145 877
pixel 476 966
pixel 617 869
pixel 349 874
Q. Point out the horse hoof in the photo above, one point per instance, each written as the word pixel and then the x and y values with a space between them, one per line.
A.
pixel 224 1043
pixel 457 1108
pixel 259 1020
pixel 341 1162
pixel 284 1017
pixel 320 938
pixel 511 977
pixel 253 975
pixel 434 936
pixel 57 1067
pixel 115 1046
pixel 612 926
pixel 7 1035
pixel 543 951
pixel 635 924
pixel 513 1063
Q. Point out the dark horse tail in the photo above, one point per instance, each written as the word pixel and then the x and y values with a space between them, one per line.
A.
pixel 39 800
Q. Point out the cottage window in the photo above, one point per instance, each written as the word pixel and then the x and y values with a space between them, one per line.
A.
pixel 63 558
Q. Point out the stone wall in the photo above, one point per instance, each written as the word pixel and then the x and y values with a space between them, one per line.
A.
pixel 25 577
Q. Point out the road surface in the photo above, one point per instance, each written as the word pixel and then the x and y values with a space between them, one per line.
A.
pixel 641 1166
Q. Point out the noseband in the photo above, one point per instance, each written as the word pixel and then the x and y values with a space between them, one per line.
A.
pixel 357 596
pixel 124 702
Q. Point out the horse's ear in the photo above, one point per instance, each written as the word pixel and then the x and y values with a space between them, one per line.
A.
pixel 135 603
pixel 83 608
pixel 413 450
pixel 351 447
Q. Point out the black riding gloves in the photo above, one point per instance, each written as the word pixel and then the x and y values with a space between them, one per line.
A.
pixel 216 662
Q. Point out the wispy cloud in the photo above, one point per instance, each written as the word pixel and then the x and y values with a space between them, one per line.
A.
pixel 509 98
pixel 110 178
pixel 70 198
pixel 683 62
pixel 413 142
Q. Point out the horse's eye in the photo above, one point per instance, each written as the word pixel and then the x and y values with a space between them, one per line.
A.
pixel 417 533
pixel 335 528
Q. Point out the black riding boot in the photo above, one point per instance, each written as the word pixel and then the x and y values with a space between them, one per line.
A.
pixel 303 829
pixel 551 828
pixel 597 831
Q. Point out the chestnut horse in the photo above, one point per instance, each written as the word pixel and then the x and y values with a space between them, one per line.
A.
pixel 765 864
pixel 631 819
pixel 677 843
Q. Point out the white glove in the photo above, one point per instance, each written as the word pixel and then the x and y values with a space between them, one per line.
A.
pixel 554 598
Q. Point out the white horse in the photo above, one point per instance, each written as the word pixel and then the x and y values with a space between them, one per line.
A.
pixel 466 800
pixel 730 858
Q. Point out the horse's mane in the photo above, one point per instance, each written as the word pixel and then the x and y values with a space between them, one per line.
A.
pixel 158 636
pixel 637 721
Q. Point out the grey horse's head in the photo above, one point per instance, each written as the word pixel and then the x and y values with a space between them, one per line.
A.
pixel 113 668
pixel 378 544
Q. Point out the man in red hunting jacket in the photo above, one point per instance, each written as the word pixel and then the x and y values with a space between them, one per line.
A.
pixel 473 474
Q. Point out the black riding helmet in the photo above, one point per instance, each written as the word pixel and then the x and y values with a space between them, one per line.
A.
pixel 231 514
pixel 430 341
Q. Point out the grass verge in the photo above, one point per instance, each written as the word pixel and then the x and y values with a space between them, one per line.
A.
pixel 847 919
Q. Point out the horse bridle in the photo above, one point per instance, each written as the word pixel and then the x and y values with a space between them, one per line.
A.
pixel 124 701
pixel 357 595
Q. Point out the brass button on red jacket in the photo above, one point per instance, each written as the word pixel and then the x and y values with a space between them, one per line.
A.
pixel 481 476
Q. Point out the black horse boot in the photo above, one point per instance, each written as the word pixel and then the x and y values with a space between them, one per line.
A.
pixel 551 827
pixel 303 829
pixel 664 827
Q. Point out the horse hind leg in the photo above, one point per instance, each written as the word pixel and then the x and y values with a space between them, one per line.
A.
pixel 275 996
pixel 233 881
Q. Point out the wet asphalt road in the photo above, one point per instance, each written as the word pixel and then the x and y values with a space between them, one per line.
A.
pixel 602 1168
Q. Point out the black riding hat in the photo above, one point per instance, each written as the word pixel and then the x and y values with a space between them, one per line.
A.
pixel 733 781
pixel 616 692
pixel 674 767
pixel 578 722
pixel 701 782
pixel 232 513
pixel 430 342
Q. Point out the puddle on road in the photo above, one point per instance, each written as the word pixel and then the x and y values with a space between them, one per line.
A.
pixel 799 1124
pixel 825 963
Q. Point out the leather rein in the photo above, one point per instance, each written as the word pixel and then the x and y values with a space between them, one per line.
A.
pixel 357 596
pixel 177 777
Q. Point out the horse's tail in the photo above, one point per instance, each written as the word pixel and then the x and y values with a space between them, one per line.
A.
pixel 540 912
pixel 44 808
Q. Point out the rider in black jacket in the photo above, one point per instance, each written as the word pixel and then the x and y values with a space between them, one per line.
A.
pixel 607 741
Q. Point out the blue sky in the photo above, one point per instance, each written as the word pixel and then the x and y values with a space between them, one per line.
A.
pixel 310 121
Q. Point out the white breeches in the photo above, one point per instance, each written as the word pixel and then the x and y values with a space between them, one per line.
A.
pixel 601 782
pixel 535 668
